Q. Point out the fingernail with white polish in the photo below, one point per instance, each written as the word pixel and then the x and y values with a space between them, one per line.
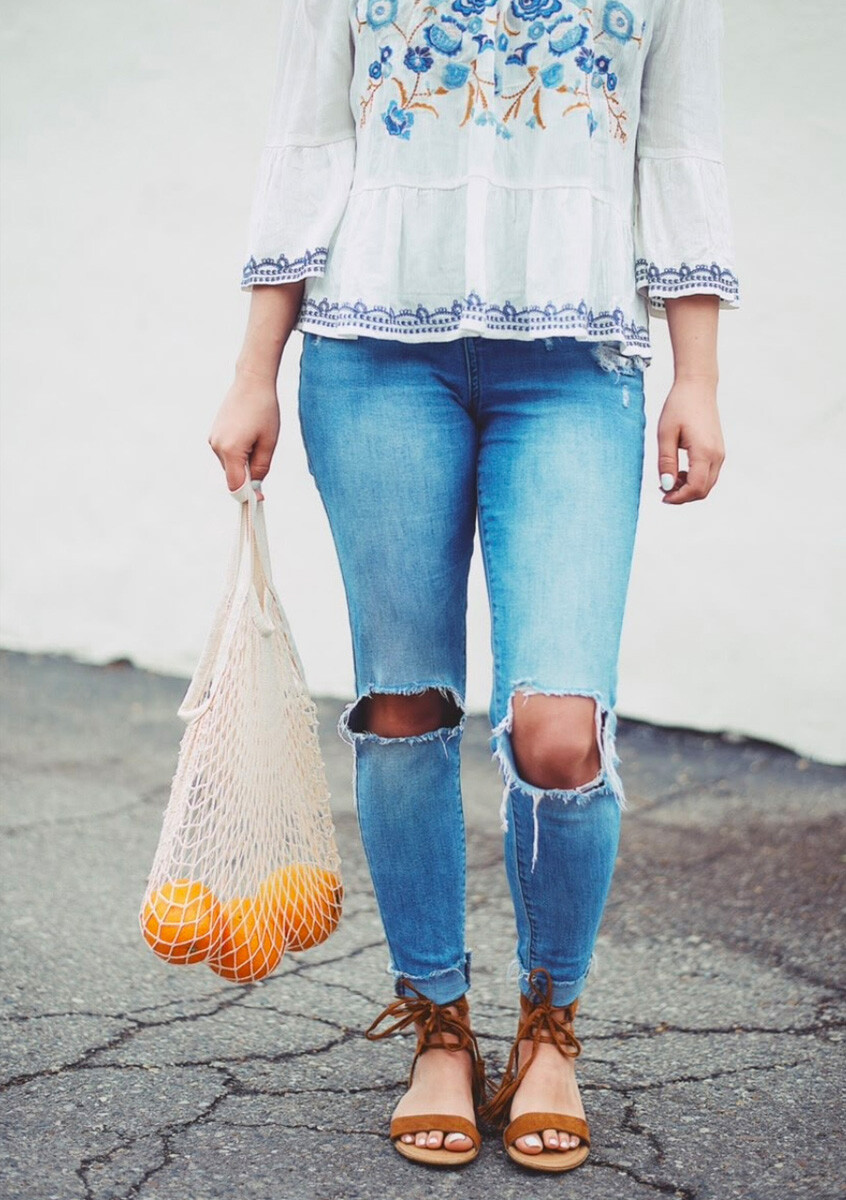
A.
pixel 667 482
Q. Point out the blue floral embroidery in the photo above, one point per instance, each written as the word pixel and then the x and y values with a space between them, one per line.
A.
pixel 469 7
pixel 398 121
pixel 528 10
pixel 571 40
pixel 504 318
pixel 419 59
pixel 381 13
pixel 284 269
pixel 683 279
pixel 454 75
pixel 442 40
pixel 617 20
pixel 548 52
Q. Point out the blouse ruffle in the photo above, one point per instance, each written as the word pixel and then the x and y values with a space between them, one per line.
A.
pixel 431 264
pixel 683 231
pixel 299 198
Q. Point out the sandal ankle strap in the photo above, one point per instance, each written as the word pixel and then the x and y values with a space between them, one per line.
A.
pixel 434 1020
pixel 541 1024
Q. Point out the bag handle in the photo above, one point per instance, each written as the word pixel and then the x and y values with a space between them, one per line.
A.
pixel 255 552
pixel 250 582
pixel 245 493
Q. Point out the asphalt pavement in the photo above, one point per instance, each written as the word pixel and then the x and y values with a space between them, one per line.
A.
pixel 712 1022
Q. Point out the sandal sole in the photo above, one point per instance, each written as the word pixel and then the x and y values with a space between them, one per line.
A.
pixel 549 1160
pixel 435 1157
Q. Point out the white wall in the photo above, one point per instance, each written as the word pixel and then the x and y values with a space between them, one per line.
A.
pixel 131 136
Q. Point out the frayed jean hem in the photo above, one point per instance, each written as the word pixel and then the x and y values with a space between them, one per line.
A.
pixel 440 986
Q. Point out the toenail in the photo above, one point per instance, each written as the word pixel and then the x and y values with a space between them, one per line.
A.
pixel 532 1139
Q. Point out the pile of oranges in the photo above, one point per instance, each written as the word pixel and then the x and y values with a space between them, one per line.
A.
pixel 243 939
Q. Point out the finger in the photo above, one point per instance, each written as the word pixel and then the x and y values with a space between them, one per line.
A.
pixel 260 460
pixel 235 466
pixel 670 497
pixel 698 474
pixel 695 485
pixel 668 458
pixel 716 467
pixel 713 471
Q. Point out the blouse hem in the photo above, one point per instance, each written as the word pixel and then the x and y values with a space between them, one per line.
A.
pixel 471 316
pixel 656 284
pixel 284 269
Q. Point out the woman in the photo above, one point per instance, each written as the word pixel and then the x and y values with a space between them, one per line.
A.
pixel 469 208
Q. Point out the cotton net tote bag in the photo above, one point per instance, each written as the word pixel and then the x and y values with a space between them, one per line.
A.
pixel 246 865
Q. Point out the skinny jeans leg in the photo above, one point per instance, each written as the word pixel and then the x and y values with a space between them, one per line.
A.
pixel 393 454
pixel 559 483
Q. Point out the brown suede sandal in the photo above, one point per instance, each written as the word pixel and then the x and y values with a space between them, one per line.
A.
pixel 435 1020
pixel 538 1022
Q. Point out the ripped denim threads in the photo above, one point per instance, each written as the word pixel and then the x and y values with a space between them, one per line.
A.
pixel 605 723
pixel 611 358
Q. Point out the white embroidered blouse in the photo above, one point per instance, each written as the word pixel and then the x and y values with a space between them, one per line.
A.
pixel 505 168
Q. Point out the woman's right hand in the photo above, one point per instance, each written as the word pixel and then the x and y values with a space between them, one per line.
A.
pixel 246 428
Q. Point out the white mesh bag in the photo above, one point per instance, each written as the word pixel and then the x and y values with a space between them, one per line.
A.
pixel 246 865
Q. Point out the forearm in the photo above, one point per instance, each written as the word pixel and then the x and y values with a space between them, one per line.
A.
pixel 274 309
pixel 693 322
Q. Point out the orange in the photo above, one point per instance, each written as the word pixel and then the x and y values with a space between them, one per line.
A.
pixel 179 920
pixel 251 941
pixel 307 902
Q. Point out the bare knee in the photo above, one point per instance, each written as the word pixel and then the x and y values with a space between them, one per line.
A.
pixel 391 715
pixel 553 739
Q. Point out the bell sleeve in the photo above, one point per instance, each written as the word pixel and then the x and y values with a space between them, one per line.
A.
pixel 683 235
pixel 306 166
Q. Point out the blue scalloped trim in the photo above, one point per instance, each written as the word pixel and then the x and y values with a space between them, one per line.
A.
pixel 505 318
pixel 284 269
pixel 686 280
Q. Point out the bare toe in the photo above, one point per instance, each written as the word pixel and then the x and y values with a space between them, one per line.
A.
pixel 550 1139
pixel 420 1138
pixel 435 1139
pixel 457 1141
pixel 530 1144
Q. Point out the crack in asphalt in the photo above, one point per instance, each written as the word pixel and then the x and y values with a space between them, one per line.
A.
pixel 660 1186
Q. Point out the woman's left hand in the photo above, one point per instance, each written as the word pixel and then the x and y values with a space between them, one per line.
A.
pixel 690 421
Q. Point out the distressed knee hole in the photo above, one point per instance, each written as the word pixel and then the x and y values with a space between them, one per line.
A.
pixel 605 780
pixel 402 714
pixel 553 740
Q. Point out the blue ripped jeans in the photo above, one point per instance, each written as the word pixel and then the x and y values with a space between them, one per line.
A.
pixel 543 441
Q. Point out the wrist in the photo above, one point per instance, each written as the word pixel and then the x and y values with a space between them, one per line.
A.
pixel 254 372
pixel 708 376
